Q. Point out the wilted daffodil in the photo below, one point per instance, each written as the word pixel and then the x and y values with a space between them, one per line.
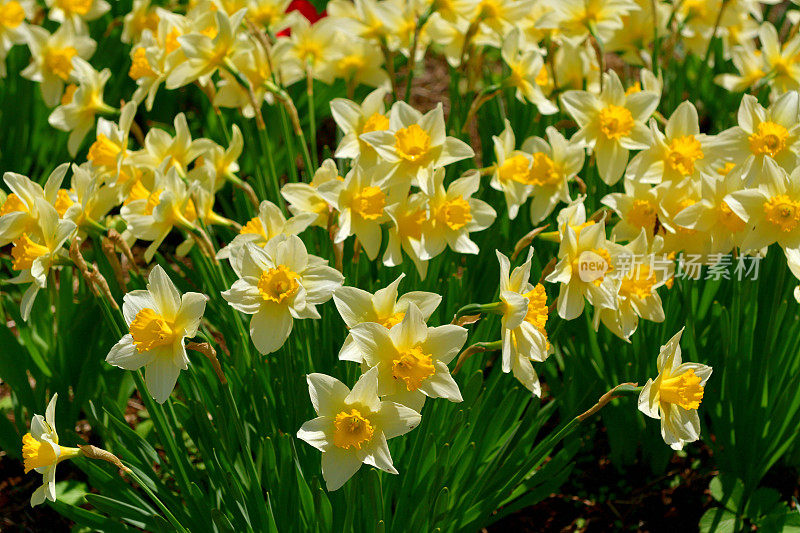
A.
pixel 277 284
pixel 611 123
pixel 357 306
pixel 675 395
pixel 411 357
pixel 524 316
pixel 352 426
pixel 41 452
pixel 158 319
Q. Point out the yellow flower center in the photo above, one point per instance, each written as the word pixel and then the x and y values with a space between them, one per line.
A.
pixel 455 213
pixel 12 205
pixel 642 214
pixel 369 202
pixel 579 264
pixel 78 7
pixel 633 89
pixel 729 219
pixel 37 454
pixel 616 122
pixel 638 283
pixel 544 171
pixel 412 143
pixel 489 9
pixel 682 154
pixel 725 169
pixel 392 319
pixel 537 307
pixel 410 224
pixel 768 139
pixel 278 284
pixel 25 252
pixel 350 65
pixel 783 212
pixel 352 429
pixel 104 152
pixel 543 78
pixel 684 390
pixel 63 202
pixel 140 66
pixel 376 122
pixel 151 330
pixel 69 94
pixel 11 15
pixel 172 42
pixel 413 367
pixel 253 226
pixel 515 168
pixel 59 61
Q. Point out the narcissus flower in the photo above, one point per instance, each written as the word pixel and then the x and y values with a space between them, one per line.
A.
pixel 76 10
pixel 361 201
pixel 454 213
pixel 354 119
pixel 414 141
pixel 277 284
pixel 526 67
pixel 78 110
pixel 675 395
pixel 41 452
pixel 585 260
pixel 352 426
pixel 158 319
pixel 205 54
pixel 511 170
pixel 762 134
pixel 771 211
pixel 51 57
pixel 357 306
pixel 19 213
pixel 611 123
pixel 35 252
pixel 306 197
pixel 411 357
pixel 269 223
pixel 524 317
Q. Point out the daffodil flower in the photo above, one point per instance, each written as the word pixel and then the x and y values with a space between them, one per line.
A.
pixel 354 119
pixel 77 113
pixel 414 141
pixel 639 276
pixel 361 201
pixel 554 162
pixel 682 152
pixel 585 260
pixel 20 213
pixel 454 213
pixel 306 197
pixel 76 11
pixel 511 170
pixel 158 319
pixel 525 311
pixel 35 252
pixel 411 357
pixel 352 426
pixel 41 452
pixel 180 150
pixel 675 395
pixel 611 123
pixel 277 284
pixel 357 306
pixel 409 219
pixel 526 67
pixel 204 54
pixel 764 134
pixel 51 57
pixel 269 223
pixel 637 209
pixel 771 211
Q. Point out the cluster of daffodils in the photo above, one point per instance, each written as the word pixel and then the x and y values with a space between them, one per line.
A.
pixel 401 184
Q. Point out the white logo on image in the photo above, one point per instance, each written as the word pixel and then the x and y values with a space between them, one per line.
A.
pixel 591 266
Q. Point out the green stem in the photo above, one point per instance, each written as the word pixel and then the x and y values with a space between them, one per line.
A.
pixel 167 513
